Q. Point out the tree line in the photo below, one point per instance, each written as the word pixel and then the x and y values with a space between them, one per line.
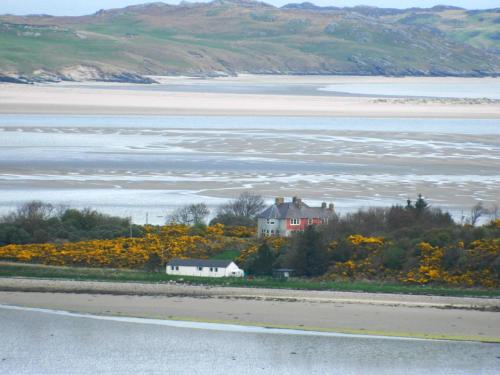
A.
pixel 39 222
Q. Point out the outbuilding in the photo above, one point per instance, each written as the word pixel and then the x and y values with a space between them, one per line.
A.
pixel 282 273
pixel 203 268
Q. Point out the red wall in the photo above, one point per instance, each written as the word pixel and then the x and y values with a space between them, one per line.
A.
pixel 303 224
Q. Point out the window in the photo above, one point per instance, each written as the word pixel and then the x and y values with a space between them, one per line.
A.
pixel 211 269
pixel 269 221
pixel 272 231
pixel 177 268
pixel 172 268
pixel 200 268
pixel 294 221
pixel 216 269
pixel 325 221
pixel 309 221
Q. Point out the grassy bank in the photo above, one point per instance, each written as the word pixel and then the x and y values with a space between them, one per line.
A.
pixel 121 275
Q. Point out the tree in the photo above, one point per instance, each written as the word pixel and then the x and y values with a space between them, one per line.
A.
pixel 494 211
pixel 476 212
pixel 393 257
pixel 420 205
pixel 246 205
pixel 32 215
pixel 190 214
pixel 262 262
pixel 309 255
pixel 233 220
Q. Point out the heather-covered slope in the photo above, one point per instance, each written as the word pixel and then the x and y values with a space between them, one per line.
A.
pixel 229 37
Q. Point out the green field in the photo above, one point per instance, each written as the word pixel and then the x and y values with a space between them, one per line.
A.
pixel 115 275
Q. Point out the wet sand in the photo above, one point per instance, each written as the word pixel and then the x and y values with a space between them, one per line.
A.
pixel 64 99
pixel 385 314
pixel 128 166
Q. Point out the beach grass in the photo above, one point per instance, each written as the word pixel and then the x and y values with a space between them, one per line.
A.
pixel 123 275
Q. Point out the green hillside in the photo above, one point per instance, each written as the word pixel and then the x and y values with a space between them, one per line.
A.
pixel 229 37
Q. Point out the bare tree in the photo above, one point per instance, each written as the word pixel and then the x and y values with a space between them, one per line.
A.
pixel 494 211
pixel 476 212
pixel 190 214
pixel 30 215
pixel 246 205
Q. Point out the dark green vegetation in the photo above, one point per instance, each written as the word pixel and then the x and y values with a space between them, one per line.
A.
pixel 96 274
pixel 38 222
pixel 232 36
pixel 413 244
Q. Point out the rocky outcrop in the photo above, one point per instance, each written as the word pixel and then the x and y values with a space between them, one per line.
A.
pixel 79 73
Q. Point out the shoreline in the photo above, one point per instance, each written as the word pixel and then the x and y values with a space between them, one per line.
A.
pixel 231 326
pixel 450 318
pixel 175 289
pixel 115 99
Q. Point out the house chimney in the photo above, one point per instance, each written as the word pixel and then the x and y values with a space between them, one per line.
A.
pixel 279 200
pixel 297 201
pixel 323 205
pixel 331 206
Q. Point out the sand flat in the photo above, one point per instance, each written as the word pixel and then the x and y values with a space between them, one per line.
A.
pixel 64 99
pixel 408 315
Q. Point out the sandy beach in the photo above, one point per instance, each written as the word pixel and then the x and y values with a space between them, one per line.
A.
pixel 386 314
pixel 123 99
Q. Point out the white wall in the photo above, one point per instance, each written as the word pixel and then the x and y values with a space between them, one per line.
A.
pixel 232 270
pixel 273 225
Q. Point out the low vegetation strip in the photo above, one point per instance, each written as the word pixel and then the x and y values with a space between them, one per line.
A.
pixel 395 247
pixel 34 271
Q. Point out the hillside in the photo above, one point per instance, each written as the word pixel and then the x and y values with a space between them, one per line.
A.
pixel 236 36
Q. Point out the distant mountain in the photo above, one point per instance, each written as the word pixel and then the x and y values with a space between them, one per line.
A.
pixel 236 36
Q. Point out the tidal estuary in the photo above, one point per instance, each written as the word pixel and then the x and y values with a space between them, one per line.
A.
pixel 133 165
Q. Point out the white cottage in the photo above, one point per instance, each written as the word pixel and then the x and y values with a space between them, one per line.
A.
pixel 204 268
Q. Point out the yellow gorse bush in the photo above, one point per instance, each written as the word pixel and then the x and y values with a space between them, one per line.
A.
pixel 275 243
pixel 363 264
pixel 475 266
pixel 167 242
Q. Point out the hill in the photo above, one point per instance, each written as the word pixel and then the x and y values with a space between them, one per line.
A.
pixel 236 36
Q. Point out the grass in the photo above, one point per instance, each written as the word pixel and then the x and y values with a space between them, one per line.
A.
pixel 237 36
pixel 122 275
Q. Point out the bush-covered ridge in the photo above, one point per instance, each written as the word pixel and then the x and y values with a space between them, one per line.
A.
pixel 356 257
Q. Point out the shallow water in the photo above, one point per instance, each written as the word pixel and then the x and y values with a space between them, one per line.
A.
pixel 456 88
pixel 38 342
pixel 488 89
pixel 135 165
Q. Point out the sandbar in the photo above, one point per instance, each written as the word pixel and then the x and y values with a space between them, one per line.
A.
pixel 349 312
pixel 114 99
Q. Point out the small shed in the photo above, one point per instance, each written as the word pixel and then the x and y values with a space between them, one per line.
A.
pixel 282 273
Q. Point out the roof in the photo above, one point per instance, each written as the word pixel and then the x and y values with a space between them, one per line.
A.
pixel 200 263
pixel 290 210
